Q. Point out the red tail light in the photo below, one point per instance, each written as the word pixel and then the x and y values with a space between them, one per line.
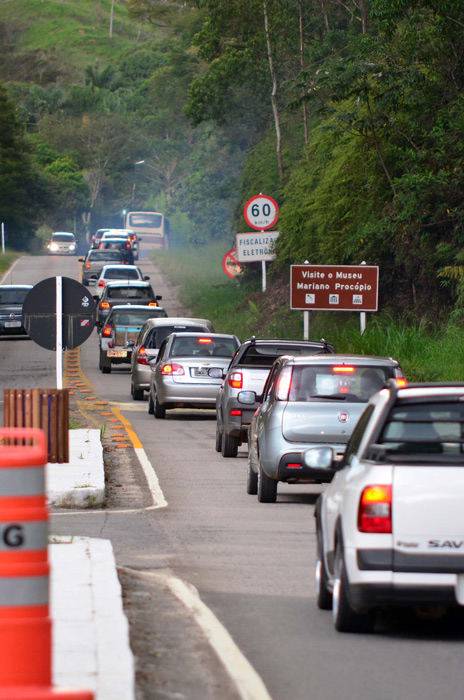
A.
pixel 375 509
pixel 101 283
pixel 87 266
pixel 284 383
pixel 153 303
pixel 108 330
pixel 104 305
pixel 236 380
pixel 235 412
pixel 100 245
pixel 142 356
pixel 401 382
pixel 171 369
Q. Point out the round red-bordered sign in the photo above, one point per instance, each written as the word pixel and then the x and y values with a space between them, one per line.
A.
pixel 261 212
pixel 230 264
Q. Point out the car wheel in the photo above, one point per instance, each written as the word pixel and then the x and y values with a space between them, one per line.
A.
pixel 229 447
pixel 151 405
pixel 137 394
pixel 106 369
pixel 218 439
pixel 323 595
pixel 266 487
pixel 345 618
pixel 159 410
pixel 252 479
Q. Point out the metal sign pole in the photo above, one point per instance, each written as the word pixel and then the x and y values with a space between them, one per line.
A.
pixel 3 238
pixel 305 325
pixel 362 321
pixel 59 333
pixel 263 271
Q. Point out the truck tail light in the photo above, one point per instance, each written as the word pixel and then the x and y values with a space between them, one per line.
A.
pixel 236 380
pixel 101 283
pixel 108 330
pixel 105 305
pixel 375 509
pixel 142 356
pixel 153 303
pixel 171 369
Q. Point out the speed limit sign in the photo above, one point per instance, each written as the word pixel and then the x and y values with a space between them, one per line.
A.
pixel 261 212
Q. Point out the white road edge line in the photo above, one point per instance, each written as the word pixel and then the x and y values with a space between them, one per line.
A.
pixel 159 500
pixel 9 271
pixel 248 682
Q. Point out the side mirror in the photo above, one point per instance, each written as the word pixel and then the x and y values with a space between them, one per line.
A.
pixel 247 397
pixel 158 297
pixel 78 259
pixel 319 458
pixel 147 277
pixel 96 297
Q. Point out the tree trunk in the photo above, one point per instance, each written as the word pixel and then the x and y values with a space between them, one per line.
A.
pixel 302 65
pixel 275 107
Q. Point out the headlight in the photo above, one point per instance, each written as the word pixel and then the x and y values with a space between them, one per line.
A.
pixel 54 246
pixel 72 247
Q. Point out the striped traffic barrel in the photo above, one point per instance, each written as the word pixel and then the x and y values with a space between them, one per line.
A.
pixel 25 625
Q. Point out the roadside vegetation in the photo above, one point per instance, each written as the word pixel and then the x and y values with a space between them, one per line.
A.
pixel 426 351
pixel 7 259
pixel 349 114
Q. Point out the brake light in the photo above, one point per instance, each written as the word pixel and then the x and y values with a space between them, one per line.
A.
pixel 401 382
pixel 235 412
pixel 153 303
pixel 343 369
pixel 142 356
pixel 236 380
pixel 204 340
pixel 283 385
pixel 104 305
pixel 375 509
pixel 108 330
pixel 87 266
pixel 101 283
pixel 170 369
pixel 100 245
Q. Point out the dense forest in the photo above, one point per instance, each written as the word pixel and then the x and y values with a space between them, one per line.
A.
pixel 350 113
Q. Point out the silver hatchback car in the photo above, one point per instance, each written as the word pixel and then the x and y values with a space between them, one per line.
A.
pixel 153 333
pixel 307 402
pixel 189 371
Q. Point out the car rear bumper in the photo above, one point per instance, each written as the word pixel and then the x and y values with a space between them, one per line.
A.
pixel 291 468
pixel 376 595
pixel 191 394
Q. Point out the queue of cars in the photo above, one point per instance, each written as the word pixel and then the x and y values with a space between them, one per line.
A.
pixel 389 455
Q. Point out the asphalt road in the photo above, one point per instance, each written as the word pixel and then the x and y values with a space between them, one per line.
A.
pixel 252 563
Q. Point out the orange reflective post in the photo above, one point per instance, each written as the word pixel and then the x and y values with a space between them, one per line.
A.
pixel 25 624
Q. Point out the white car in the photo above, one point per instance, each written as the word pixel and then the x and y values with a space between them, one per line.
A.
pixel 390 526
pixel 110 273
pixel 62 243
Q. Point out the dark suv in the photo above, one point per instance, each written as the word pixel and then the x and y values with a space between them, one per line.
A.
pixel 248 371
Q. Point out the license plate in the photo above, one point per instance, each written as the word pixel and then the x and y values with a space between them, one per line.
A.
pixel 200 372
pixel 117 353
pixel 12 324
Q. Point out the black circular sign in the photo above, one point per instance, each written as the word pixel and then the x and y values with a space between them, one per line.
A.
pixel 78 313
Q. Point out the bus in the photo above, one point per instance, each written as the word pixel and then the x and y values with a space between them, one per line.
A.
pixel 150 226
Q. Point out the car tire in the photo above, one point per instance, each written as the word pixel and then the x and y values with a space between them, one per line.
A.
pixel 151 405
pixel 323 595
pixel 103 366
pixel 229 446
pixel 345 618
pixel 218 439
pixel 159 410
pixel 266 487
pixel 252 479
pixel 137 394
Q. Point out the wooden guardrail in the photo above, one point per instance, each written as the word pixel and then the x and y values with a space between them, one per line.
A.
pixel 47 409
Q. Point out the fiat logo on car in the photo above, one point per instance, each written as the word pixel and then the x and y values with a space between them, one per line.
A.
pixel 343 417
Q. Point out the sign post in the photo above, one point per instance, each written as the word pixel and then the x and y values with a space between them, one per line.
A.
pixel 261 213
pixel 59 314
pixel 334 288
